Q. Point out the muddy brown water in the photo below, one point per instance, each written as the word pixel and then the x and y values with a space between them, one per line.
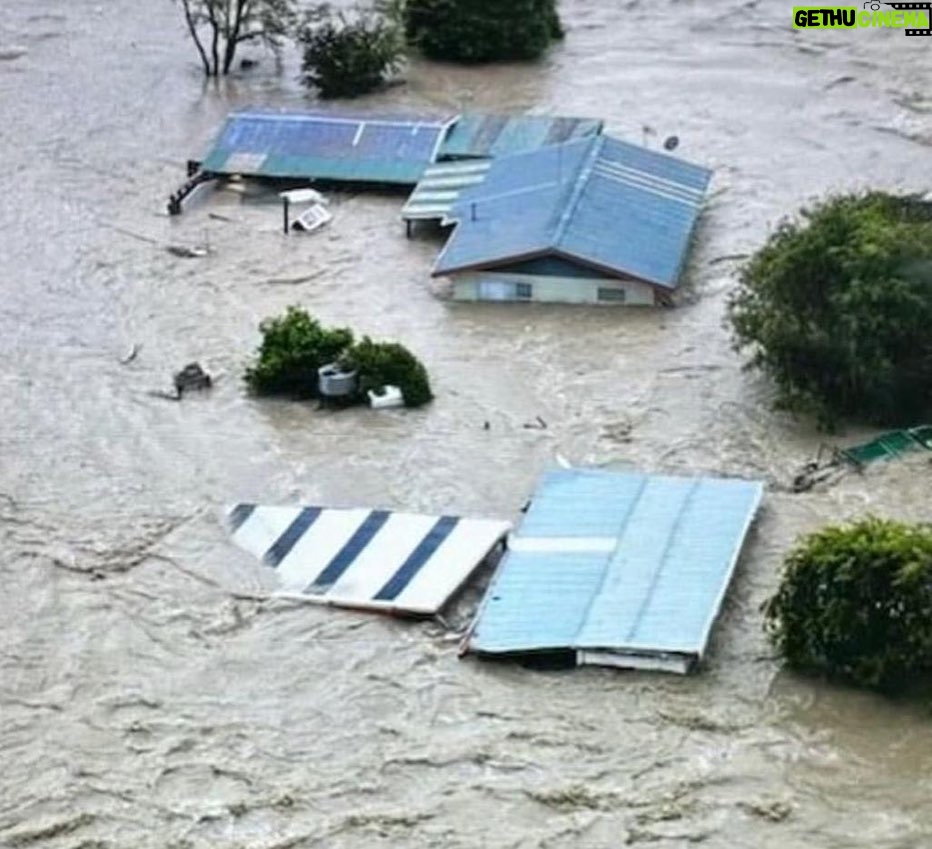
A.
pixel 150 695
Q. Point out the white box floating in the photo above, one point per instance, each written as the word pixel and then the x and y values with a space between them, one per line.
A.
pixel 624 570
pixel 313 218
pixel 390 397
pixel 403 563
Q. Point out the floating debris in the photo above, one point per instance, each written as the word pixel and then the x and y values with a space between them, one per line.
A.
pixel 8 54
pixel 313 218
pixel 133 353
pixel 192 376
pixel 838 461
pixel 188 253
pixel 385 397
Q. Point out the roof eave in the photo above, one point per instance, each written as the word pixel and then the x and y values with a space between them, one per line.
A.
pixel 491 263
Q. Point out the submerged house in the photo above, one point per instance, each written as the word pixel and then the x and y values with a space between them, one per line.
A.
pixel 616 569
pixel 329 146
pixel 472 142
pixel 596 220
pixel 390 149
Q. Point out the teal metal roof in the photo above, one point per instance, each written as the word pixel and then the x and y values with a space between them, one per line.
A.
pixel 603 203
pixel 503 135
pixel 328 146
pixel 440 187
pixel 622 569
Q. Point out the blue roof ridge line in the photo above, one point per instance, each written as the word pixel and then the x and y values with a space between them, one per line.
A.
pixel 645 479
pixel 578 188
pixel 648 596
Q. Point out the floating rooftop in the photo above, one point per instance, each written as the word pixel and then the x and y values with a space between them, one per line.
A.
pixel 402 563
pixel 611 569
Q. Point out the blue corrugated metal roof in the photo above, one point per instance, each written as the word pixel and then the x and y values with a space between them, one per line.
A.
pixel 382 149
pixel 620 568
pixel 505 135
pixel 601 202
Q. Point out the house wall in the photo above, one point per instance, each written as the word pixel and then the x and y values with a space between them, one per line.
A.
pixel 504 286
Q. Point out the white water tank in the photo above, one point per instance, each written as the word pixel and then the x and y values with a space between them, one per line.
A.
pixel 333 381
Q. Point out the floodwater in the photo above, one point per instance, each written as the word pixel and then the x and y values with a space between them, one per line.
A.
pixel 151 695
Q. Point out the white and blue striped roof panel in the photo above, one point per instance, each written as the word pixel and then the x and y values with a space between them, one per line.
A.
pixel 400 562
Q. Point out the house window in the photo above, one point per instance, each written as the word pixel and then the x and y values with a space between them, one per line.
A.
pixel 524 291
pixel 614 295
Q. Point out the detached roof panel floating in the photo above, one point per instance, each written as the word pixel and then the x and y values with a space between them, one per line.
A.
pixel 624 570
pixel 326 146
pixel 401 563
pixel 603 203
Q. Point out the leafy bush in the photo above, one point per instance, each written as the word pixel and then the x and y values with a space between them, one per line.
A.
pixel 293 348
pixel 345 56
pixel 855 604
pixel 837 309
pixel 381 363
pixel 481 30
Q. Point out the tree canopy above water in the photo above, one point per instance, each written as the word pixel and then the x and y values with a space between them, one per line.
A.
pixel 837 309
pixel 476 31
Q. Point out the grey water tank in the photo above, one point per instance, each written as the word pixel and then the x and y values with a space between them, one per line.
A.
pixel 336 382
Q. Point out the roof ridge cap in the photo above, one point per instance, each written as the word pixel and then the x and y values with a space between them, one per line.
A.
pixel 577 190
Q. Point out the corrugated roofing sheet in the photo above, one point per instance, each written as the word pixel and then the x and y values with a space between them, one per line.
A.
pixel 326 146
pixel 601 202
pixel 622 569
pixel 504 135
pixel 440 187
pixel 370 559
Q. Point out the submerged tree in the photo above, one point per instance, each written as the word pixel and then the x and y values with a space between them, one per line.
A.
pixel 219 27
pixel 855 604
pixel 296 345
pixel 348 54
pixel 837 309
pixel 481 30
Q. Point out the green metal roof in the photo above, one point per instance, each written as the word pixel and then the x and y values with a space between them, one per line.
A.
pixel 502 135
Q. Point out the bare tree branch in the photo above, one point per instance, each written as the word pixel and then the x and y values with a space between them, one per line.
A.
pixel 192 28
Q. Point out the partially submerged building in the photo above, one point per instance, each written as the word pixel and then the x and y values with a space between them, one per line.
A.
pixel 542 208
pixel 596 220
pixel 338 147
pixel 626 570
pixel 472 142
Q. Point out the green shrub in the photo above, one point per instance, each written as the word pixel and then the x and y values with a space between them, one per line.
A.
pixel 346 56
pixel 294 347
pixel 837 307
pixel 481 30
pixel 855 604
pixel 381 363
